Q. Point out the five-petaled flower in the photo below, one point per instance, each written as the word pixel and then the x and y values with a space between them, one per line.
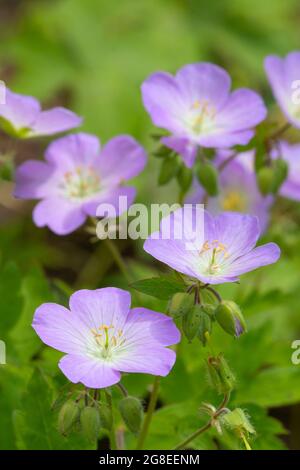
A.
pixel 238 191
pixel 227 252
pixel 197 108
pixel 103 337
pixel 21 116
pixel 76 177
pixel 284 77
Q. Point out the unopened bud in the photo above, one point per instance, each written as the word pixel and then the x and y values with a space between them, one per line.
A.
pixel 230 318
pixel 207 175
pixel 132 413
pixel 265 180
pixel 180 304
pixel 220 375
pixel 90 422
pixel 205 328
pixel 105 416
pixel 68 415
pixel 238 422
pixel 191 322
pixel 280 174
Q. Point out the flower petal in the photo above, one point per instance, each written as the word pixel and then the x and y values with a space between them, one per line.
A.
pixel 60 215
pixel 33 180
pixel 91 372
pixel 204 81
pixel 107 306
pixel 119 199
pixel 164 101
pixel 59 328
pixel 183 146
pixel 73 150
pixel 121 158
pixel 55 120
pixel 260 256
pixel 144 326
pixel 20 110
pixel 238 232
pixel 147 360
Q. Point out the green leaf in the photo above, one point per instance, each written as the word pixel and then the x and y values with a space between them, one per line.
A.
pixel 162 287
pixel 168 170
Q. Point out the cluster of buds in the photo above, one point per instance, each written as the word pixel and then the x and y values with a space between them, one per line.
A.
pixel 197 317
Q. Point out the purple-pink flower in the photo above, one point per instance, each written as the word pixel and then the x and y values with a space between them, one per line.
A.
pixel 238 191
pixel 228 249
pixel 198 109
pixel 284 78
pixel 22 117
pixel 102 337
pixel 291 153
pixel 76 177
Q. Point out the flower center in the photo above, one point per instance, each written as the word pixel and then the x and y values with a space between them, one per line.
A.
pixel 201 116
pixel 107 339
pixel 80 183
pixel 213 254
pixel 234 201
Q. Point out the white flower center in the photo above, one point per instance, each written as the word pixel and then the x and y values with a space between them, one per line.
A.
pixel 107 340
pixel 80 183
pixel 213 254
pixel 201 117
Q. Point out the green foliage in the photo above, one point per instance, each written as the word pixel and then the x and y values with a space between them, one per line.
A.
pixel 162 287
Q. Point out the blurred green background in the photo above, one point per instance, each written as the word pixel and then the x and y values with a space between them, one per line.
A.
pixel 92 56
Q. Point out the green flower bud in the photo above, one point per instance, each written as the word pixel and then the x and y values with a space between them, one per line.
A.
pixel 105 416
pixel 90 422
pixel 220 375
pixel 132 413
pixel 238 422
pixel 168 170
pixel 68 416
pixel 180 304
pixel 205 327
pixel 265 180
pixel 191 322
pixel 184 178
pixel 207 175
pixel 230 318
pixel 280 174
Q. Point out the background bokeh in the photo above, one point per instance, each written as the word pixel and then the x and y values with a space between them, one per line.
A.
pixel 91 56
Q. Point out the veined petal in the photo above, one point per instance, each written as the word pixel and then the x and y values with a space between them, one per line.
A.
pixel 33 180
pixel 260 256
pixel 147 360
pixel 55 120
pixel 60 215
pixel 93 373
pixel 59 328
pixel 106 306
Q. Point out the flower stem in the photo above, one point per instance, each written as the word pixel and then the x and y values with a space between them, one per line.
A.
pixel 279 131
pixel 150 411
pixel 113 444
pixel 215 293
pixel 118 259
pixel 123 389
pixel 206 426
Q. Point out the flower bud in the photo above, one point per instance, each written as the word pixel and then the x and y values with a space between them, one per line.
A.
pixel 68 415
pixel 90 422
pixel 180 304
pixel 191 322
pixel 280 174
pixel 220 375
pixel 105 416
pixel 238 422
pixel 265 180
pixel 132 413
pixel 207 175
pixel 204 328
pixel 230 318
pixel 184 178
pixel 168 170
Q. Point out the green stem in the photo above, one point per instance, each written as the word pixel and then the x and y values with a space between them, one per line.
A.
pixel 150 411
pixel 113 443
pixel 118 259
pixel 123 389
pixel 279 131
pixel 207 426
